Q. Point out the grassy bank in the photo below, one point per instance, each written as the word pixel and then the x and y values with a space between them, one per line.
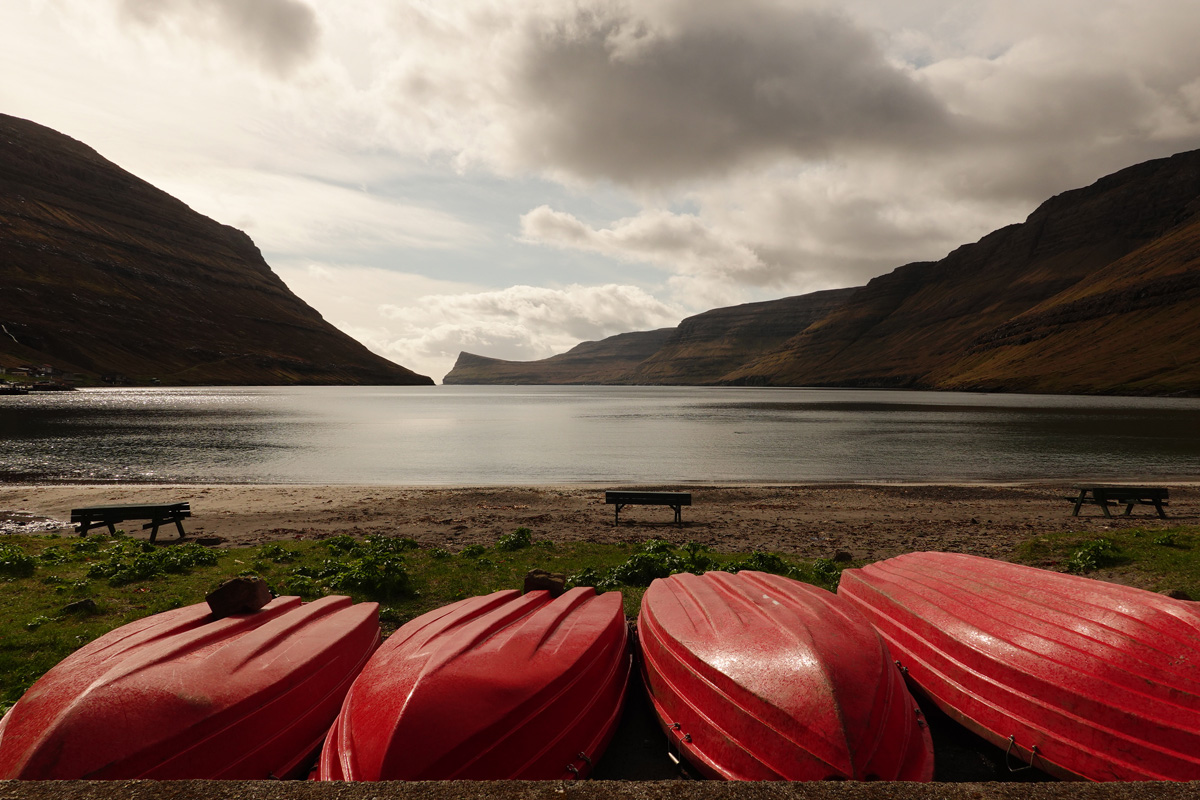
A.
pixel 1165 561
pixel 57 594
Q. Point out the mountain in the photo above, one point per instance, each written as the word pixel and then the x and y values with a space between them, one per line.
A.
pixel 105 275
pixel 704 348
pixel 1096 292
pixel 609 360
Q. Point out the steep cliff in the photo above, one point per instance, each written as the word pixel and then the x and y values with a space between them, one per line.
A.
pixel 703 348
pixel 103 274
pixel 1095 292
pixel 609 360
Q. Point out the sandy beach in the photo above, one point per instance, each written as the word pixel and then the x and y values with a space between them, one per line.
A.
pixel 866 521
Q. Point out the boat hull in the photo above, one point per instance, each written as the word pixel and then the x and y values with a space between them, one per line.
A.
pixel 504 686
pixel 179 695
pixel 759 677
pixel 1080 678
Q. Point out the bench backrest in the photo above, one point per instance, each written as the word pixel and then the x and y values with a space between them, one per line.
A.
pixel 649 498
pixel 134 511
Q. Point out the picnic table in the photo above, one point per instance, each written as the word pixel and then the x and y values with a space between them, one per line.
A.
pixel 620 499
pixel 1129 496
pixel 158 513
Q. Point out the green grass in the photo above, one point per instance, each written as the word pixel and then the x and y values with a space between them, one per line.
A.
pixel 1166 561
pixel 43 580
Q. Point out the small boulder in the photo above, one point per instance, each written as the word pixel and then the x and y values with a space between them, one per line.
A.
pixel 554 582
pixel 238 596
pixel 85 606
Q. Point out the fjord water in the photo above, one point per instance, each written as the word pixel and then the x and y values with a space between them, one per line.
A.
pixel 503 435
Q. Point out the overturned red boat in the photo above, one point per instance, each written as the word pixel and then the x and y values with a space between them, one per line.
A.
pixel 181 695
pixel 1080 678
pixel 759 677
pixel 504 686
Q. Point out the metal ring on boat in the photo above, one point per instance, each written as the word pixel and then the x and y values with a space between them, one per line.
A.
pixel 1033 752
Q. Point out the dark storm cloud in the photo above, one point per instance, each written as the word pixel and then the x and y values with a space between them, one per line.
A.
pixel 605 94
pixel 278 34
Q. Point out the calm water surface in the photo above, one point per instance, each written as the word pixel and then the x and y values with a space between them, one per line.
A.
pixel 465 435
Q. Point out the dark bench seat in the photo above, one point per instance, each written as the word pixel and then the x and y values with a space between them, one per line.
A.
pixel 1128 496
pixel 158 514
pixel 676 500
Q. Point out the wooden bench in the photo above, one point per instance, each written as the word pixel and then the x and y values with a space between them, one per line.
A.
pixel 1129 496
pixel 676 500
pixel 157 513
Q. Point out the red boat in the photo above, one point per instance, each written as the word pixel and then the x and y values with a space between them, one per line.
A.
pixel 179 695
pixel 759 677
pixel 1080 678
pixel 505 686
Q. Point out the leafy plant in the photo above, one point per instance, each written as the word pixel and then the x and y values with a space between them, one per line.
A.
pixel 15 562
pixel 128 562
pixel 1168 539
pixel 1093 555
pixel 759 561
pixel 276 553
pixel 657 558
pixel 517 540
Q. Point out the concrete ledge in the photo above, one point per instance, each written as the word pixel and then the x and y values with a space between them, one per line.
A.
pixel 586 790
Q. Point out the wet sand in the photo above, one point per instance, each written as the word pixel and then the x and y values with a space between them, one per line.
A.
pixel 815 521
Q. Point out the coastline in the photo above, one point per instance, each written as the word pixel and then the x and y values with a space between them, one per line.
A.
pixel 867 521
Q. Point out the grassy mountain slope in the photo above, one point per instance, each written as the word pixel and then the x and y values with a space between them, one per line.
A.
pixel 1089 294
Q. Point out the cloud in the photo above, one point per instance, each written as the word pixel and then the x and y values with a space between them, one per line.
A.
pixel 277 34
pixel 653 93
pixel 657 93
pixel 682 243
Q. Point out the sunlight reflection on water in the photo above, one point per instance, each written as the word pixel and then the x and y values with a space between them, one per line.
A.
pixel 462 435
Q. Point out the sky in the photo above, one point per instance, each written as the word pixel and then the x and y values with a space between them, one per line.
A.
pixel 513 177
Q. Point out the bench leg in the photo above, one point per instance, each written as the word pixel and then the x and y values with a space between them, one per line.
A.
pixel 1102 501
pixel 678 515
pixel 112 529
pixel 1079 502
pixel 617 514
pixel 179 525
pixel 1128 509
pixel 1158 507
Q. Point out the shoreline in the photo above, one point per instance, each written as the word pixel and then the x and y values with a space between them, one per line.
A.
pixel 814 520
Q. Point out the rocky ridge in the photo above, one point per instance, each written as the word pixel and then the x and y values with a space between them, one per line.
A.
pixel 610 360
